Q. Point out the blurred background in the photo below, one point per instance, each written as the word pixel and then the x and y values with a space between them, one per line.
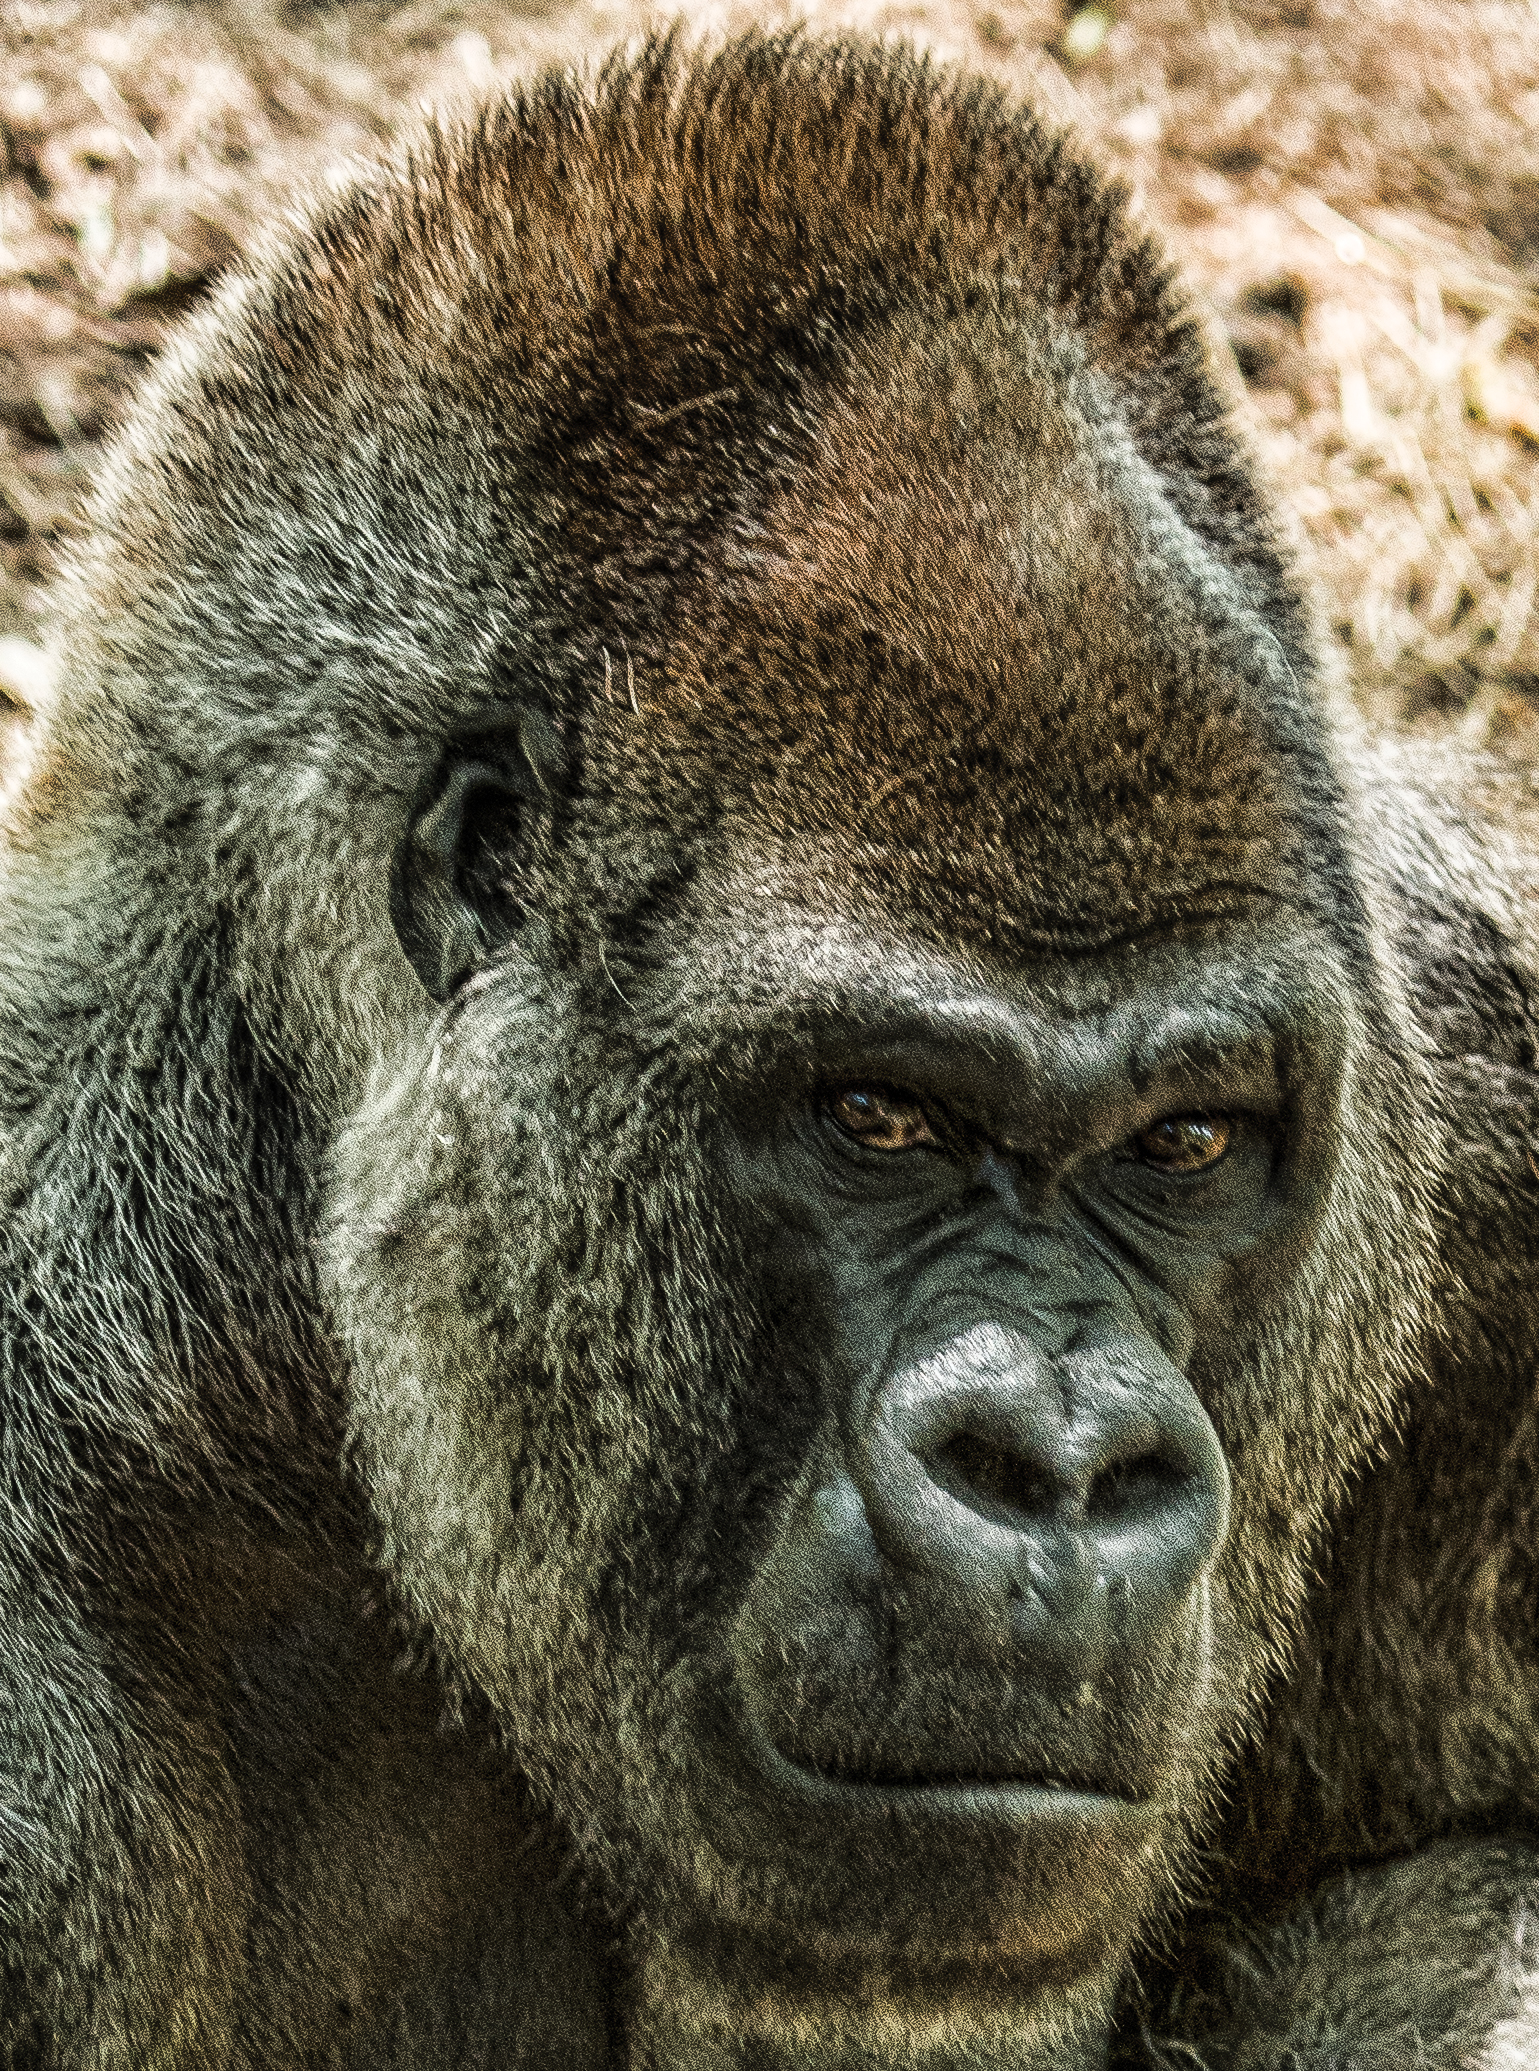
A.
pixel 1352 186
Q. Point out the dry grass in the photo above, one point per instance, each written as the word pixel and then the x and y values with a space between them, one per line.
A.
pixel 1353 187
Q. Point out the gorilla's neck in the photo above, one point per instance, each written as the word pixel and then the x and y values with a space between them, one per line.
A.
pixel 680 2022
pixel 672 2049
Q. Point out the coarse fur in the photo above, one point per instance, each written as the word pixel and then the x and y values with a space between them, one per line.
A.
pixel 1408 1715
pixel 777 514
pixel 1428 1960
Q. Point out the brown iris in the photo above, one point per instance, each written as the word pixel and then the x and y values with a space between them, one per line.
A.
pixel 1185 1143
pixel 879 1118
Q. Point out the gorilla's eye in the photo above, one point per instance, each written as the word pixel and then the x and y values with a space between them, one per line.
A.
pixel 1185 1143
pixel 879 1118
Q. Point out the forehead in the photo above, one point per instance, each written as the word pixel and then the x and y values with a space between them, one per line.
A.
pixel 979 670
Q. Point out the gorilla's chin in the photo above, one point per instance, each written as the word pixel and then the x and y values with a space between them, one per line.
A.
pixel 921 1878
pixel 949 1967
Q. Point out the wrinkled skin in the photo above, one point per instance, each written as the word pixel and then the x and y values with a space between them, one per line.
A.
pixel 695 1019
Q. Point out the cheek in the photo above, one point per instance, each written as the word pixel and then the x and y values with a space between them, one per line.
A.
pixel 534 1438
pixel 1204 1261
pixel 836 1293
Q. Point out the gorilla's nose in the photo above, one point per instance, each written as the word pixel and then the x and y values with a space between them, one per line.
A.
pixel 1076 1498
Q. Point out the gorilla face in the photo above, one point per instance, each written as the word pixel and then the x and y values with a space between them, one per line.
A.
pixel 994 1240
pixel 1002 1238
pixel 806 1394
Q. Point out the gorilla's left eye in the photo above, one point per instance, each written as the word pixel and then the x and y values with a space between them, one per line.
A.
pixel 1185 1143
pixel 879 1118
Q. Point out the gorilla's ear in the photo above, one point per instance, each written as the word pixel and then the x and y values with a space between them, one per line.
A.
pixel 451 894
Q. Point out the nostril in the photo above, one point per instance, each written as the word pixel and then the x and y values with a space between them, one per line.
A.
pixel 1135 1486
pixel 995 1468
pixel 1001 1484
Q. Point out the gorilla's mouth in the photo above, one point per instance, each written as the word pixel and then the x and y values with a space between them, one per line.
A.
pixel 975 1774
pixel 980 1776
pixel 956 1755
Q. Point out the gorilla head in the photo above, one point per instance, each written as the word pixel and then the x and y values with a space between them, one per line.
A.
pixel 704 678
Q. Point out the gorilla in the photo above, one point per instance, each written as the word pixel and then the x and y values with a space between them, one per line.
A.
pixel 764 1223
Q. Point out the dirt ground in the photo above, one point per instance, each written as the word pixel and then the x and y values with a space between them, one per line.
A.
pixel 1352 185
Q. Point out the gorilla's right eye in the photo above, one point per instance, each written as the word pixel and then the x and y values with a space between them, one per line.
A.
pixel 879 1118
pixel 1185 1143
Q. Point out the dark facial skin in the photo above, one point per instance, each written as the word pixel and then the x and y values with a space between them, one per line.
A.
pixel 1009 1239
